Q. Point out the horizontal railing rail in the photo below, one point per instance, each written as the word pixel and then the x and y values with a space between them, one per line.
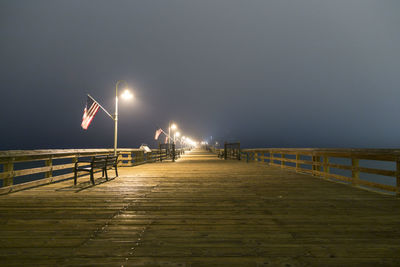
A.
pixel 21 169
pixel 353 166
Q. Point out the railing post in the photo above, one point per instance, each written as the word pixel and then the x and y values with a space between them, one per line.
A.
pixel 271 157
pixel 9 167
pixel 355 173
pixel 398 176
pixel 134 158
pixel 225 151
pixel 298 167
pixel 238 151
pixel 282 160
pixel 173 152
pixel 141 156
pixel 326 166
pixel 49 163
pixel 261 156
pixel 316 165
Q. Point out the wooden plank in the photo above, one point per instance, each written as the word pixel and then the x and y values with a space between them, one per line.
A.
pixel 376 185
pixel 340 166
pixel 32 171
pixel 377 171
pixel 63 166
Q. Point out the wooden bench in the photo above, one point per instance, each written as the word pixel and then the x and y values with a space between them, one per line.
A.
pixel 97 162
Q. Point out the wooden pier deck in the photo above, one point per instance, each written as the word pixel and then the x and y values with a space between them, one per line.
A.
pixel 200 211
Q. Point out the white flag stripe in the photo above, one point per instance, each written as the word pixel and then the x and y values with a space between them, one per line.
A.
pixel 88 115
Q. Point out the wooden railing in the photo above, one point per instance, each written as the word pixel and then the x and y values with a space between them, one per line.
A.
pixel 21 169
pixel 232 151
pixel 353 166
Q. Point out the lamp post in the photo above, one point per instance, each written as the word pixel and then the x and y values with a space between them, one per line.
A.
pixel 173 128
pixel 126 95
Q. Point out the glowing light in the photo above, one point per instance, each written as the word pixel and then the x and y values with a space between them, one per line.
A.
pixel 177 134
pixel 173 126
pixel 127 95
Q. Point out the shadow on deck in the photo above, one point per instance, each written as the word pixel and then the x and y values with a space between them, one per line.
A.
pixel 200 211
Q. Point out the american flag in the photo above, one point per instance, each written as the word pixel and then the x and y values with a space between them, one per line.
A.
pixel 158 132
pixel 90 111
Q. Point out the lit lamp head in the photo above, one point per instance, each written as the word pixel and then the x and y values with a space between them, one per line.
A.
pixel 173 126
pixel 127 95
pixel 177 134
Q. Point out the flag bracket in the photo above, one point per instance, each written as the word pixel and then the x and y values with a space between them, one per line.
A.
pixel 111 116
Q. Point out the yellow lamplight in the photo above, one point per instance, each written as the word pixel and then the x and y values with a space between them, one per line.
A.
pixel 127 95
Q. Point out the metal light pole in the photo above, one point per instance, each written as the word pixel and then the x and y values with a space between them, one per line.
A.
pixel 116 116
pixel 173 128
pixel 169 134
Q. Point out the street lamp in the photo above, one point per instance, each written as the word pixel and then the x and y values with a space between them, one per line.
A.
pixel 125 95
pixel 177 134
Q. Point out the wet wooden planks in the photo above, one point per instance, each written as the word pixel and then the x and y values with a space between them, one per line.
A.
pixel 200 211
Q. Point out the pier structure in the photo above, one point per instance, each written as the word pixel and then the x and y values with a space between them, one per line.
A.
pixel 265 207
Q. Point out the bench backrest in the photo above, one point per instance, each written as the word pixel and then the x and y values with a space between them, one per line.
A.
pixel 112 160
pixel 98 161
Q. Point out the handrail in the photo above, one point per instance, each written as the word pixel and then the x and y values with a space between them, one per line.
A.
pixel 319 162
pixel 21 169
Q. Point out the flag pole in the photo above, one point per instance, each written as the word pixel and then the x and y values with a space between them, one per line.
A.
pixel 101 107
pixel 165 133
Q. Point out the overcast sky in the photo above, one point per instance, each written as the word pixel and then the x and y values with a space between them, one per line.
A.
pixel 266 73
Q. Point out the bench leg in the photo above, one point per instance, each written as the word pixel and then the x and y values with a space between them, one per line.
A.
pixel 116 170
pixel 92 177
pixel 75 176
pixel 105 171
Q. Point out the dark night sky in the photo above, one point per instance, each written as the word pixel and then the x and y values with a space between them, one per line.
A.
pixel 267 73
